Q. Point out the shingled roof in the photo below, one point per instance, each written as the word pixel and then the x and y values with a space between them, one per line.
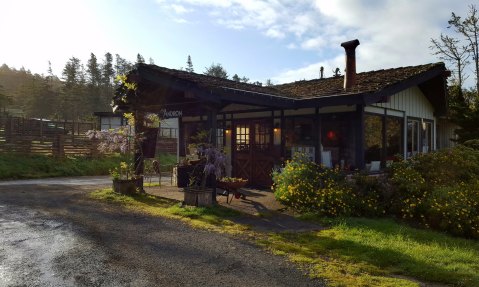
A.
pixel 367 82
pixel 370 87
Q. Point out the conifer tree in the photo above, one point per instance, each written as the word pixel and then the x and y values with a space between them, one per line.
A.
pixel 189 65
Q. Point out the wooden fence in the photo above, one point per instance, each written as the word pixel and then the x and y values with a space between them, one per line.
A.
pixel 61 138
pixel 39 136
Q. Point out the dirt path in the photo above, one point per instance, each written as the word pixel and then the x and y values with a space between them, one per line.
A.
pixel 53 235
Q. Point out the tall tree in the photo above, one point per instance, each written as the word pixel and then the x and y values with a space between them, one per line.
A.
pixel 73 102
pixel 151 61
pixel 107 71
pixel 216 70
pixel 450 50
pixel 236 78
pixel 122 66
pixel 4 100
pixel 94 80
pixel 189 65
pixel 107 76
pixel 469 29
pixel 139 59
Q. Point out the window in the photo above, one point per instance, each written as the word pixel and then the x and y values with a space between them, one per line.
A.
pixel 426 136
pixel 379 144
pixel 419 136
pixel 373 137
pixel 242 137
pixel 298 132
pixel 394 138
pixel 262 135
pixel 220 137
pixel 412 137
pixel 110 122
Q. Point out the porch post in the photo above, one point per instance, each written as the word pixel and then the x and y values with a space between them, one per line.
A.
pixel 138 156
pixel 359 127
pixel 317 133
pixel 212 125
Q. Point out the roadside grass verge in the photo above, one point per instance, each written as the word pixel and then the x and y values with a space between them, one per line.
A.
pixel 351 252
pixel 380 252
pixel 216 218
pixel 18 166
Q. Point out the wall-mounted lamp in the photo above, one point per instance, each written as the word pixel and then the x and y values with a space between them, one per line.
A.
pixel 276 127
pixel 228 129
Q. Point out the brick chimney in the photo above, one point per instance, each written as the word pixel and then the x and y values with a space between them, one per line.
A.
pixel 350 75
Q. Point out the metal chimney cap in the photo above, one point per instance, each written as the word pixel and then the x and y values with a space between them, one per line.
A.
pixel 350 44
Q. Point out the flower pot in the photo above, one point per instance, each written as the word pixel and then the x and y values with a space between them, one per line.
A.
pixel 127 186
pixel 198 196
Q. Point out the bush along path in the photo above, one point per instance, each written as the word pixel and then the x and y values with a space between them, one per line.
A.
pixel 434 191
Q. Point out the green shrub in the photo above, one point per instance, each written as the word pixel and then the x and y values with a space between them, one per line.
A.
pixel 409 191
pixel 439 190
pixel 474 144
pixel 306 187
pixel 370 193
pixel 455 209
pixel 447 167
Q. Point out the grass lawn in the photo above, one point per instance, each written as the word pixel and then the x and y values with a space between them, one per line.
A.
pixel 352 252
pixel 16 166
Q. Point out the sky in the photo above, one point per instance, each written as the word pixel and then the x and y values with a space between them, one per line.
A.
pixel 281 40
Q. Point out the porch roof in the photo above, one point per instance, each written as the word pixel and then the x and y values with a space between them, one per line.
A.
pixel 370 87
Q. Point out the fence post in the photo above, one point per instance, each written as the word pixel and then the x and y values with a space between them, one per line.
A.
pixel 94 152
pixel 58 146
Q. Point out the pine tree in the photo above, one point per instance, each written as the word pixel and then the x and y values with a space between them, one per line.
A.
pixel 73 102
pixel 189 65
pixel 236 78
pixel 122 66
pixel 139 59
pixel 93 82
pixel 107 78
pixel 216 70
pixel 151 61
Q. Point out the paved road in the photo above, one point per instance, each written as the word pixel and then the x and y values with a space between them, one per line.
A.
pixel 53 235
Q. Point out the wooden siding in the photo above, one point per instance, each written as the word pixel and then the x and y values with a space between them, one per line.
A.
pixel 445 133
pixel 252 115
pixel 412 101
pixel 239 107
pixel 307 111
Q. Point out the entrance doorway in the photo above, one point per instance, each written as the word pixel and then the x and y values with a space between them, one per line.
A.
pixel 253 155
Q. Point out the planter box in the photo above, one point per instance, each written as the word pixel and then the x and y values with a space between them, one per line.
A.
pixel 127 186
pixel 199 197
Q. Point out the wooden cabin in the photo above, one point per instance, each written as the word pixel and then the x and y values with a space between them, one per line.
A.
pixel 355 121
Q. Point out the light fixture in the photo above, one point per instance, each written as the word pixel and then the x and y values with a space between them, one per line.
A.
pixel 276 127
pixel 228 129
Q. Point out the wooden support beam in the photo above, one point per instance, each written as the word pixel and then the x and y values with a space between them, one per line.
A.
pixel 359 127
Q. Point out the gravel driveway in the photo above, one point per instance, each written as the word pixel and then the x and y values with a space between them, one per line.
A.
pixel 53 235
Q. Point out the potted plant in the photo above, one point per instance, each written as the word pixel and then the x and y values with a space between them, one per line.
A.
pixel 125 179
pixel 198 193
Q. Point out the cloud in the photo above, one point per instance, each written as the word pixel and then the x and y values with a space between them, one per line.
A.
pixel 392 33
pixel 179 9
pixel 310 71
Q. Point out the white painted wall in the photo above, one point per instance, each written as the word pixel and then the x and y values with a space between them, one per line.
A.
pixel 412 101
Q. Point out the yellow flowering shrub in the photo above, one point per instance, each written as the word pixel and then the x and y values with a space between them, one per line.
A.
pixel 455 209
pixel 438 190
pixel 304 186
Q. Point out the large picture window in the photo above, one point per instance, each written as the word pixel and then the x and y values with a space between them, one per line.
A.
pixel 419 136
pixel 383 138
pixel 394 137
pixel 373 137
pixel 298 132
